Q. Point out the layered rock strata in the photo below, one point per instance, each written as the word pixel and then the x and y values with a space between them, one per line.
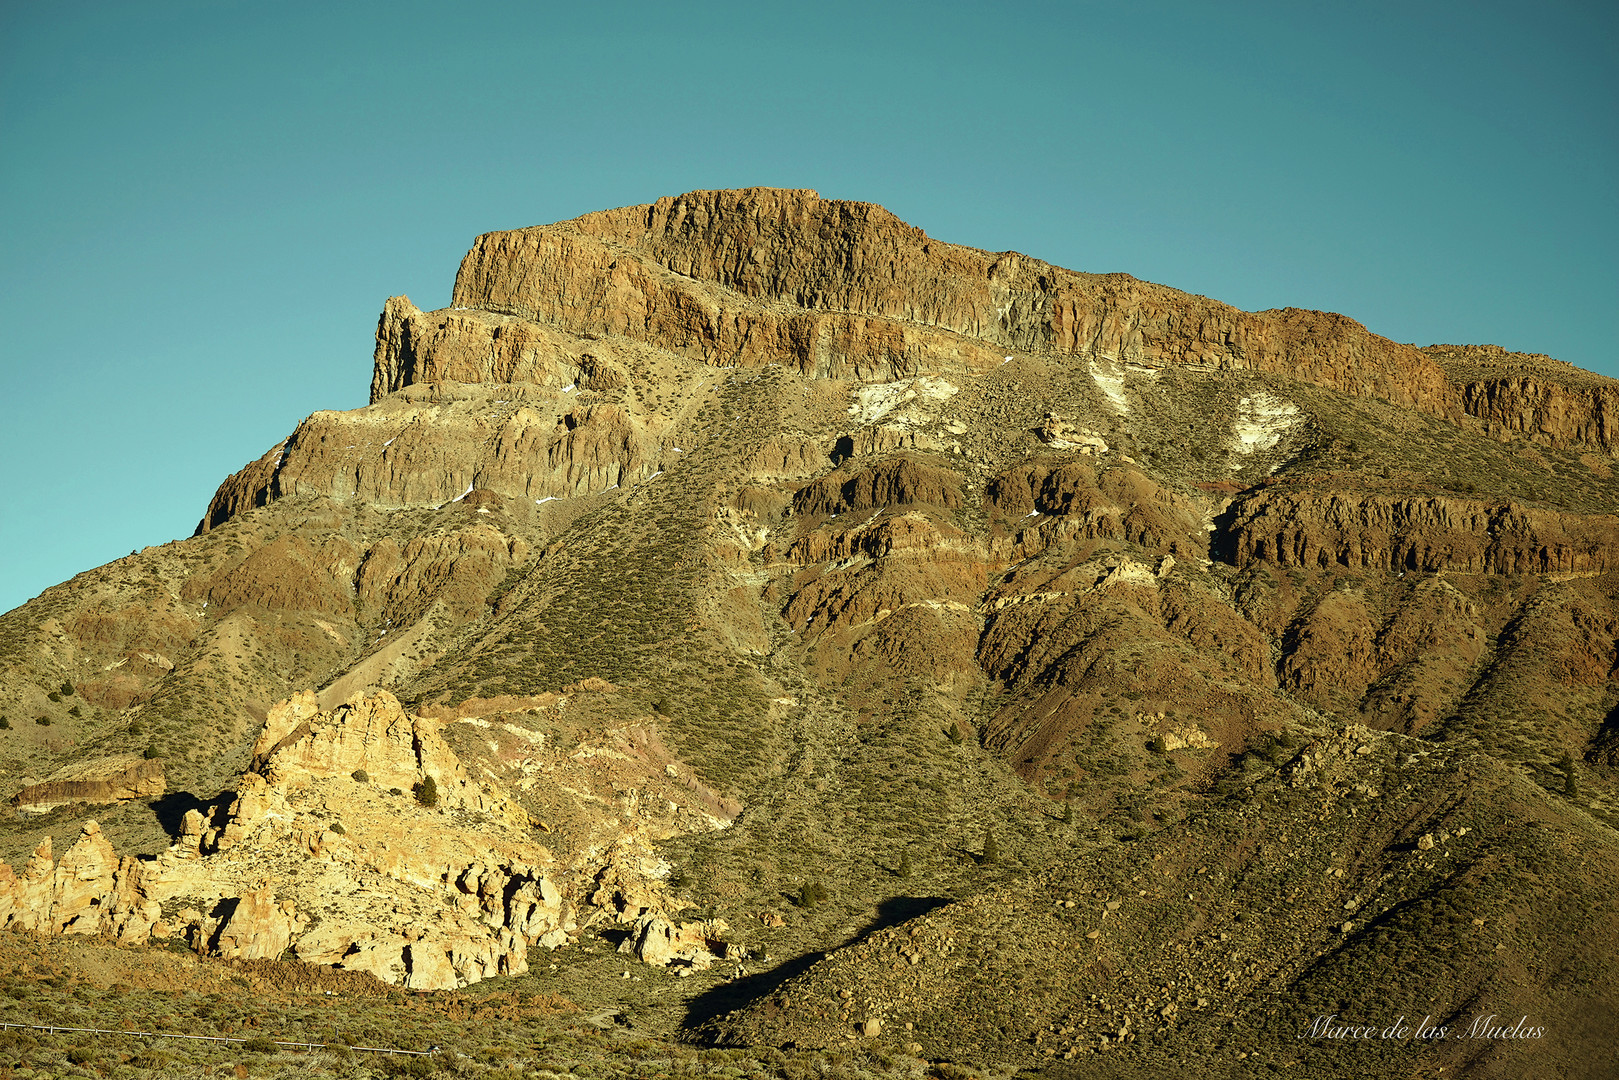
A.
pixel 116 780
pixel 555 316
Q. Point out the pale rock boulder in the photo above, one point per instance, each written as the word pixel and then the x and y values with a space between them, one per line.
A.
pixel 370 733
pixel 259 928
pixel 657 941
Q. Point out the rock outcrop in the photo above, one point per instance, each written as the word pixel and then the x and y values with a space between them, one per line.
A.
pixel 435 444
pixel 110 781
pixel 655 940
pixel 325 854
pixel 1292 527
pixel 65 896
pixel 1531 396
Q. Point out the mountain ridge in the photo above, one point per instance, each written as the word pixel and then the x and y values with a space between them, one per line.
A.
pixel 891 548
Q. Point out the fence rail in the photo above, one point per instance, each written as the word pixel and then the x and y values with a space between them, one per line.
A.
pixel 55 1029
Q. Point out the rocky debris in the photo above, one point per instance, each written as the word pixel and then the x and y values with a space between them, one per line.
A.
pixel 1189 737
pixel 106 781
pixel 656 940
pixel 1060 433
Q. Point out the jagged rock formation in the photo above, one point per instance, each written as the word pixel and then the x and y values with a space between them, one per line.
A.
pixel 459 890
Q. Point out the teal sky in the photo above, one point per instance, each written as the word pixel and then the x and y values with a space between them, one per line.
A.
pixel 203 205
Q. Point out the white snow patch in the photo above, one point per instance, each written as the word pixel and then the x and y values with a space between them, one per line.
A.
pixel 548 498
pixel 872 403
pixel 678 450
pixel 463 495
pixel 390 442
pixel 569 388
pixel 1262 420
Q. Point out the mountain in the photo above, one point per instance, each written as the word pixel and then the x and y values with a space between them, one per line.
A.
pixel 924 651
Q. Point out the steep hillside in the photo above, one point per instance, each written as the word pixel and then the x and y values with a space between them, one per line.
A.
pixel 918 624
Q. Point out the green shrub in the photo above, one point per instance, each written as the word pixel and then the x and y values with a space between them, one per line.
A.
pixel 260 1045
pixel 426 792
pixel 67 688
pixel 151 752
pixel 905 864
pixel 813 894
pixel 43 721
pixel 992 850
pixel 5 725
pixel 361 775
pixel 337 827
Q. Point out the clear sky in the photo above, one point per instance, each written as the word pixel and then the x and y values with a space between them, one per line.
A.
pixel 203 205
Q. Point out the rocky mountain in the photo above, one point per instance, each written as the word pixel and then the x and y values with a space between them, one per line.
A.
pixel 988 662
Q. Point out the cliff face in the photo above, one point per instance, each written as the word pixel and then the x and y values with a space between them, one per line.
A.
pixel 1530 396
pixel 558 316
pixel 1325 529
pixel 682 271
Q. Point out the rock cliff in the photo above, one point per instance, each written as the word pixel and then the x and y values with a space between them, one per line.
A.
pixel 107 781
